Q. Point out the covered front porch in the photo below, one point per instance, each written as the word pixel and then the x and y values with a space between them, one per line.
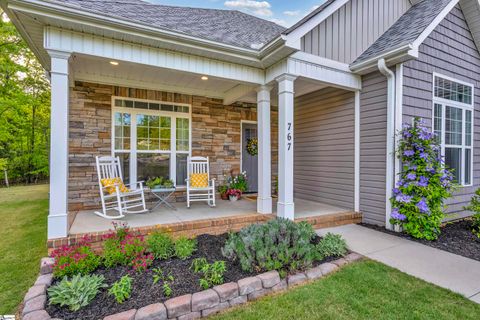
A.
pixel 109 102
pixel 87 222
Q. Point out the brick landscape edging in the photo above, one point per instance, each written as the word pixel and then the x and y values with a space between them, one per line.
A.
pixel 190 306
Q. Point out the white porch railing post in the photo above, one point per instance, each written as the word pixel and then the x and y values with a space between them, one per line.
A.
pixel 58 212
pixel 285 206
pixel 264 200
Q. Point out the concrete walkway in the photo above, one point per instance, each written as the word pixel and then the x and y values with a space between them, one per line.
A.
pixel 442 268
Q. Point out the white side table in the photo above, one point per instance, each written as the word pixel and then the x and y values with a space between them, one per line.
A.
pixel 162 195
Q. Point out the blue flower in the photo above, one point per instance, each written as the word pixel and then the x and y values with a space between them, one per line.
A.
pixel 423 182
pixel 403 198
pixel 411 176
pixel 422 206
pixel 409 153
pixel 397 215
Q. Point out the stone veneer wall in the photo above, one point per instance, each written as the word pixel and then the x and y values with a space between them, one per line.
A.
pixel 215 133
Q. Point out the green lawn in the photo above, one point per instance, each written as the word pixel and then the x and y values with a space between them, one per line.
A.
pixel 364 290
pixel 23 219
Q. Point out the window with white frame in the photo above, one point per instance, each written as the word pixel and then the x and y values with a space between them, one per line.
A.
pixel 151 138
pixel 453 124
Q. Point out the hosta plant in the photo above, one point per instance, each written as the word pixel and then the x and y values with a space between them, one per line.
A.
pixel 279 244
pixel 424 185
pixel 121 289
pixel 76 292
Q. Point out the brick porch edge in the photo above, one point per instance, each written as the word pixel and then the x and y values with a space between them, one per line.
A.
pixel 211 226
pixel 190 306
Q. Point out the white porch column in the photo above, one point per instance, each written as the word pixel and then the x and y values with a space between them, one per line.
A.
pixel 285 205
pixel 58 213
pixel 264 200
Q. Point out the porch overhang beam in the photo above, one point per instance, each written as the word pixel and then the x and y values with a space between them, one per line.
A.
pixel 77 42
pixel 236 93
pixel 330 72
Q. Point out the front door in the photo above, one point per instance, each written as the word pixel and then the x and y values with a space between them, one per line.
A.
pixel 249 156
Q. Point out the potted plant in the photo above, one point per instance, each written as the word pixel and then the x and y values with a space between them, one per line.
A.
pixel 160 183
pixel 238 182
pixel 223 192
pixel 234 194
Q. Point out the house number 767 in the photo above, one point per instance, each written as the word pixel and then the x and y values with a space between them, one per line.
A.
pixel 289 136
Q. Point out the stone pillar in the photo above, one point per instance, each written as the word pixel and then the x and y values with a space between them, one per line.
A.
pixel 285 206
pixel 264 200
pixel 58 212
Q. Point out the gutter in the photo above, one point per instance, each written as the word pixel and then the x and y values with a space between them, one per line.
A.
pixel 393 56
pixel 390 154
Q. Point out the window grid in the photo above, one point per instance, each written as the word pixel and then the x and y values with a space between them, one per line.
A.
pixel 155 106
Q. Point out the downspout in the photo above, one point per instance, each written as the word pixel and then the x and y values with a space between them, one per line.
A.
pixel 390 154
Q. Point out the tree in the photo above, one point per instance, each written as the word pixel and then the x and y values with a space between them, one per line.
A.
pixel 24 108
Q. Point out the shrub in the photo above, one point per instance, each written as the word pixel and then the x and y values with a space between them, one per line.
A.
pixel 475 207
pixel 121 289
pixel 212 273
pixel 160 245
pixel 77 292
pixel 425 183
pixel 142 262
pixel 279 244
pixel 118 251
pixel 77 259
pixel 331 246
pixel 184 247
pixel 159 275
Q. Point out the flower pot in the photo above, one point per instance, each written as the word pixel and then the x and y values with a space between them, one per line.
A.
pixel 224 196
pixel 398 228
pixel 233 198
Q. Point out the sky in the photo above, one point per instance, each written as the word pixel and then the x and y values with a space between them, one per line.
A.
pixel 283 12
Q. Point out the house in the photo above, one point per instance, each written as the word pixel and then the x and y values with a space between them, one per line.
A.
pixel 325 97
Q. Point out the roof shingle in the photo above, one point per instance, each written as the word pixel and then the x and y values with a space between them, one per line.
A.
pixel 225 26
pixel 407 29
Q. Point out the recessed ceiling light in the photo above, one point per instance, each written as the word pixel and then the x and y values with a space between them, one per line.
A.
pixel 204 78
pixel 114 63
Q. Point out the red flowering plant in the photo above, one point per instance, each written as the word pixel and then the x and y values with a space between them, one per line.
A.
pixel 76 259
pixel 123 247
pixel 234 193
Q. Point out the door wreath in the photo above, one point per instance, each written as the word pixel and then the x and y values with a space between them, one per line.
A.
pixel 252 146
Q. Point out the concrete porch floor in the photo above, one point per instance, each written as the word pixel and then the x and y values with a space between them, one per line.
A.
pixel 87 221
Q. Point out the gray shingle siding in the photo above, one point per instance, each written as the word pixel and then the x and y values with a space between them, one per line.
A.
pixel 373 132
pixel 449 50
pixel 324 147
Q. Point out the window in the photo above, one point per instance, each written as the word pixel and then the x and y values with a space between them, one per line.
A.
pixel 152 139
pixel 453 124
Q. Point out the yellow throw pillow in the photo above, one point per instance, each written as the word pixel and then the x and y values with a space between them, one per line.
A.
pixel 199 180
pixel 109 185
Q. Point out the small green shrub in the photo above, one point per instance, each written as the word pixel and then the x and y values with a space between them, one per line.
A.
pixel 159 275
pixel 160 245
pixel 121 289
pixel 331 245
pixel 279 244
pixel 184 247
pixel 475 207
pixel 212 273
pixel 77 292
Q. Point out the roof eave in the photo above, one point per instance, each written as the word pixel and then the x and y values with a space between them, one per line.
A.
pixel 392 57
pixel 52 10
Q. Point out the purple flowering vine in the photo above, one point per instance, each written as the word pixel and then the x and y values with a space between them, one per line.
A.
pixel 424 183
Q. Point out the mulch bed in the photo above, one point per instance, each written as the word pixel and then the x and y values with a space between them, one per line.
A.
pixel 144 292
pixel 456 237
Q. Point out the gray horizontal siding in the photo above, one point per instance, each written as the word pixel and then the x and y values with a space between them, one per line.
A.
pixel 353 28
pixel 324 147
pixel 373 131
pixel 449 50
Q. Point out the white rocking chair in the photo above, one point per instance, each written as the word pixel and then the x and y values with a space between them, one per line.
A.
pixel 122 202
pixel 200 165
